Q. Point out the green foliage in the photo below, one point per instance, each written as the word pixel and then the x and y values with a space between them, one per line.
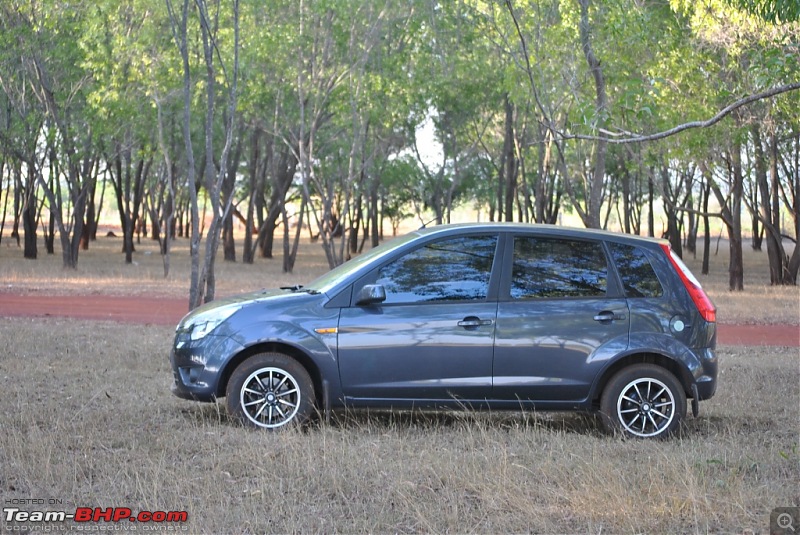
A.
pixel 367 74
pixel 775 11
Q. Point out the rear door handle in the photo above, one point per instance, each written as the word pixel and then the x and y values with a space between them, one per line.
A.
pixel 608 316
pixel 473 321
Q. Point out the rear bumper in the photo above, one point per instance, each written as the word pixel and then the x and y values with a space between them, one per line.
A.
pixel 706 390
pixel 706 381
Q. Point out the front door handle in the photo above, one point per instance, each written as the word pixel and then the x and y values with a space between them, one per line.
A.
pixel 473 321
pixel 607 316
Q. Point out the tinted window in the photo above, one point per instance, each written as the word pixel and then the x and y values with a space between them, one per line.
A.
pixel 457 269
pixel 548 267
pixel 638 277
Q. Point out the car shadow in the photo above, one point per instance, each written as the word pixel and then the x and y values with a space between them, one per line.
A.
pixel 210 414
pixel 572 423
pixel 384 420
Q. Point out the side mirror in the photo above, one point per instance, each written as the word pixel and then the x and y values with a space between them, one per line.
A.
pixel 371 294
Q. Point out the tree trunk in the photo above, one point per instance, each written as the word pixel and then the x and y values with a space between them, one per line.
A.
pixel 691 218
pixel 376 230
pixel 671 212
pixel 731 216
pixel 8 195
pixel 752 202
pixel 355 225
pixel 18 202
pixel 626 201
pixel 90 226
pixel 29 217
pixel 50 235
pixel 793 205
pixel 290 251
pixel 769 209
pixel 706 228
pixel 651 231
pixel 509 160
pixel 228 242
pixel 595 187
pixel 98 211
pixel 736 268
pixel 248 250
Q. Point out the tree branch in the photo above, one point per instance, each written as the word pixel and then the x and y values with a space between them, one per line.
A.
pixel 635 138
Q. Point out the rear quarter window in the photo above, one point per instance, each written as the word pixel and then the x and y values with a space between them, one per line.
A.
pixel 637 274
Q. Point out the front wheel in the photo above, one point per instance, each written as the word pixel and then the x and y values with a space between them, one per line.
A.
pixel 270 390
pixel 644 401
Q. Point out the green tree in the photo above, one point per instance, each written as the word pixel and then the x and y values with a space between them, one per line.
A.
pixel 45 36
pixel 219 49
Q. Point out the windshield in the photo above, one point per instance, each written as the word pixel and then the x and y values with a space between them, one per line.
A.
pixel 331 279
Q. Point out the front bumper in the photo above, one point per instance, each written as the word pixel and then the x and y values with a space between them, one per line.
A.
pixel 198 366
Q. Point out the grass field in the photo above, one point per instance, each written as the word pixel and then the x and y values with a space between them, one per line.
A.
pixel 88 418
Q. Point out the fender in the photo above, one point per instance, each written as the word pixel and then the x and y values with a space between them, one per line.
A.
pixel 660 344
pixel 300 335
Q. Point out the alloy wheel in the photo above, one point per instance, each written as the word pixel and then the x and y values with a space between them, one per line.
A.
pixel 270 397
pixel 645 407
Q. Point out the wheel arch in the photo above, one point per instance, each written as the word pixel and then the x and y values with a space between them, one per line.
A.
pixel 675 367
pixel 273 347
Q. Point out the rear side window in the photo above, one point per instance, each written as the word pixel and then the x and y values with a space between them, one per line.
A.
pixel 636 272
pixel 552 268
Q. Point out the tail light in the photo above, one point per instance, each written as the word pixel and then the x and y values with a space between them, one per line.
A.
pixel 704 305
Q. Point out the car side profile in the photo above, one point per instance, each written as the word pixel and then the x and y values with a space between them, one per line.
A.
pixel 499 315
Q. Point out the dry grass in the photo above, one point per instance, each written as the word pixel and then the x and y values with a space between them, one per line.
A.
pixel 102 270
pixel 88 419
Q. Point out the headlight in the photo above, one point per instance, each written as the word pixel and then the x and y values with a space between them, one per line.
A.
pixel 203 323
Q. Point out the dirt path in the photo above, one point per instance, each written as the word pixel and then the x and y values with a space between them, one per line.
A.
pixel 156 311
pixel 162 311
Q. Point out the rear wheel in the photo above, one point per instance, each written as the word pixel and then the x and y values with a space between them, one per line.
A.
pixel 644 401
pixel 271 391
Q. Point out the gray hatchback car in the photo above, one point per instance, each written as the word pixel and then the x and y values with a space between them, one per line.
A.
pixel 500 316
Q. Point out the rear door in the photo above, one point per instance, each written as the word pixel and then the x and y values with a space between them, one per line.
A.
pixel 559 318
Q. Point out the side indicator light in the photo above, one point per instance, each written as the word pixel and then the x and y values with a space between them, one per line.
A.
pixel 326 330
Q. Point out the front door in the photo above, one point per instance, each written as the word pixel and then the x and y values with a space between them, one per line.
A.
pixel 432 338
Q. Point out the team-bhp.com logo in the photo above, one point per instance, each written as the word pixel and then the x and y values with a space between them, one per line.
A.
pixel 82 515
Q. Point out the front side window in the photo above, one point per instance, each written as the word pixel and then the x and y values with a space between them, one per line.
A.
pixel 638 277
pixel 557 267
pixel 457 269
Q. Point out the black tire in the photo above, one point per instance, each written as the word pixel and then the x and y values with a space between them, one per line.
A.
pixel 643 401
pixel 270 391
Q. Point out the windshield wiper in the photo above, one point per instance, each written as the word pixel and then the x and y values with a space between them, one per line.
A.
pixel 295 288
pixel 299 288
